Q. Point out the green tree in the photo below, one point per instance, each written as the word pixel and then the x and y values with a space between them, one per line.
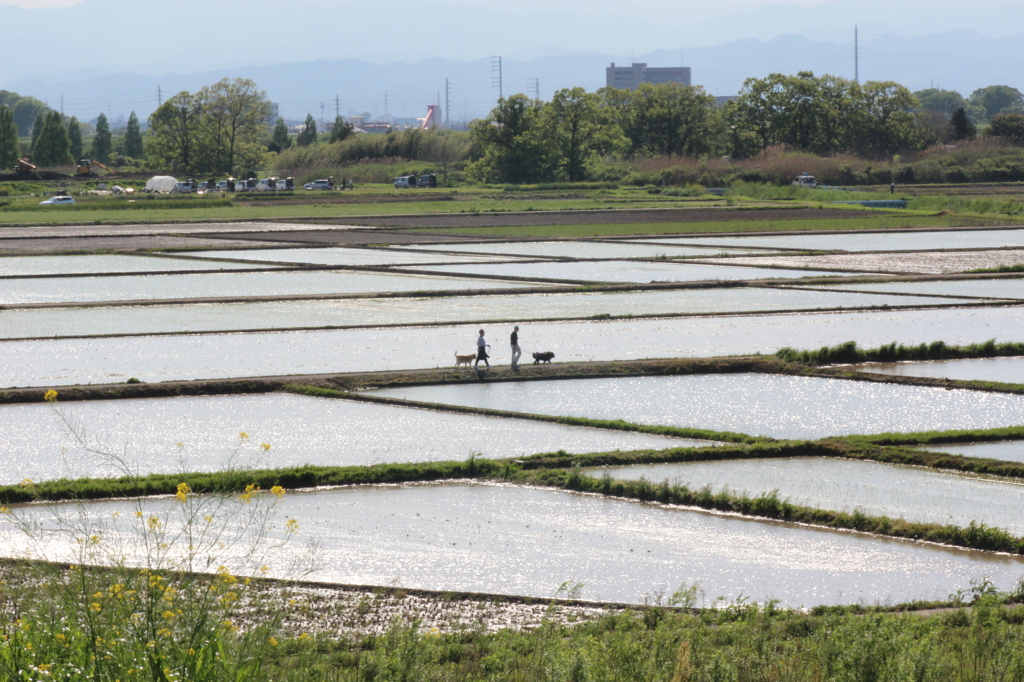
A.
pixel 174 134
pixel 508 144
pixel 886 125
pixel 133 145
pixel 578 130
pixel 996 99
pixel 26 111
pixel 934 100
pixel 52 147
pixel 9 151
pixel 75 138
pixel 102 142
pixel 341 130
pixel 308 135
pixel 37 129
pixel 1009 127
pixel 665 119
pixel 961 127
pixel 280 140
pixel 234 112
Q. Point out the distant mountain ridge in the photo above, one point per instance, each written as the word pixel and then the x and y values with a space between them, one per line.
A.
pixel 404 89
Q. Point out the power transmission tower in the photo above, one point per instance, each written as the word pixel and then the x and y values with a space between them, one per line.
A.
pixel 496 79
pixel 322 106
pixel 159 96
pixel 337 106
pixel 856 54
pixel 447 99
pixel 533 85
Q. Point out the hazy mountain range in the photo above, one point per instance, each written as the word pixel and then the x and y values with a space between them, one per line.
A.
pixel 112 55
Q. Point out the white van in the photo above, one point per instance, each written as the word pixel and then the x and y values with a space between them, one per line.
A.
pixel 405 181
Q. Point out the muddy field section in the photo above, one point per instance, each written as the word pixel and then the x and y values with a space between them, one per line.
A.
pixel 603 217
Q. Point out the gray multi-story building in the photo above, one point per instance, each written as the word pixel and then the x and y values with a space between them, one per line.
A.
pixel 631 77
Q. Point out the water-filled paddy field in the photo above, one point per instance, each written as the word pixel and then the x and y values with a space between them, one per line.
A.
pixel 899 492
pixel 336 256
pixel 503 539
pixel 580 249
pixel 624 271
pixel 70 361
pixel 196 317
pixel 203 285
pixel 21 266
pixel 1003 287
pixel 757 404
pixel 923 262
pixel 1005 370
pixel 171 435
pixel 872 241
pixel 1007 450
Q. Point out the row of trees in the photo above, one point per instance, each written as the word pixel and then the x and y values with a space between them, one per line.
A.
pixel 57 140
pixel 982 105
pixel 524 140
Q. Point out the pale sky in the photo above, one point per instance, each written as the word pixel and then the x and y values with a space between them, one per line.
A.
pixel 722 5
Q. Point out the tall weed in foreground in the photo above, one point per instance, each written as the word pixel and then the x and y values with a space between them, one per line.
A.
pixel 145 589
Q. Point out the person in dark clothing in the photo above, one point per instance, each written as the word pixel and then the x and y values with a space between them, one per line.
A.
pixel 516 352
pixel 892 188
pixel 481 350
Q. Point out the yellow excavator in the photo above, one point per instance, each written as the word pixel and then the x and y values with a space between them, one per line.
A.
pixel 91 167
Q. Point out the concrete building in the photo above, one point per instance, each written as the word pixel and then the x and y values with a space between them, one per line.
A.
pixel 631 77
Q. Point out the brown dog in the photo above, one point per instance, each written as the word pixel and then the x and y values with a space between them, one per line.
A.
pixel 542 357
pixel 464 359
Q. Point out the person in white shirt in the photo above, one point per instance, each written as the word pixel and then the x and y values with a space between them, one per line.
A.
pixel 481 350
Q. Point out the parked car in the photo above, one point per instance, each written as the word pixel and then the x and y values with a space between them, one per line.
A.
pixel 222 186
pixel 429 180
pixel 405 181
pixel 58 201
pixel 183 187
pixel 319 184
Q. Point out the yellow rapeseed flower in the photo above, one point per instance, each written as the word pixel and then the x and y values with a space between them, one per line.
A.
pixel 95 607
pixel 243 435
pixel 169 615
pixel 272 641
pixel 265 446
pixel 4 510
pixel 50 396
pixel 277 490
pixel 292 526
pixel 183 491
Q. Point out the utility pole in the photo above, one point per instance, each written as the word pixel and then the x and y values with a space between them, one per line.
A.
pixel 447 100
pixel 496 79
pixel 337 106
pixel 856 54
pixel 62 105
pixel 387 111
pixel 533 85
pixel 322 128
pixel 159 96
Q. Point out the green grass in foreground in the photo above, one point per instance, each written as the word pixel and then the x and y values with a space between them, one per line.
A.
pixel 857 221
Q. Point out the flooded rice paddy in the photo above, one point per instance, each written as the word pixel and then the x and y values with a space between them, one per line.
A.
pixel 1005 370
pixel 335 256
pixel 70 361
pixel 899 492
pixel 1005 450
pixel 501 539
pixel 198 317
pixel 221 285
pixel 624 271
pixel 866 241
pixel 1003 287
pixel 21 266
pixel 929 263
pixel 171 435
pixel 580 249
pixel 756 404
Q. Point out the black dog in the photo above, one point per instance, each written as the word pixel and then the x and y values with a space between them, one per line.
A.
pixel 542 357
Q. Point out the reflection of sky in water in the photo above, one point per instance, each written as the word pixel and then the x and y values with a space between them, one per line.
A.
pixel 333 256
pixel 843 485
pixel 626 271
pixel 1007 370
pixel 520 541
pixel 578 249
pixel 1007 450
pixel 893 241
pixel 225 285
pixel 755 404
pixel 29 323
pixel 993 288
pixel 21 266
pixel 301 430
pixel 61 362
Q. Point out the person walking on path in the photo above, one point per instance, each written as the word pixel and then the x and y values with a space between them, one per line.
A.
pixel 516 351
pixel 481 350
pixel 892 188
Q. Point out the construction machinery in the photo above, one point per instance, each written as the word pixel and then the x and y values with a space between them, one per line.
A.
pixel 25 166
pixel 91 167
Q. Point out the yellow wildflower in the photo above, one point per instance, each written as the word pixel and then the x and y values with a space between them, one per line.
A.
pixel 265 446
pixel 183 491
pixel 4 510
pixel 292 526
pixel 243 435
pixel 50 396
pixel 95 607
pixel 277 490
pixel 169 615
pixel 272 641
